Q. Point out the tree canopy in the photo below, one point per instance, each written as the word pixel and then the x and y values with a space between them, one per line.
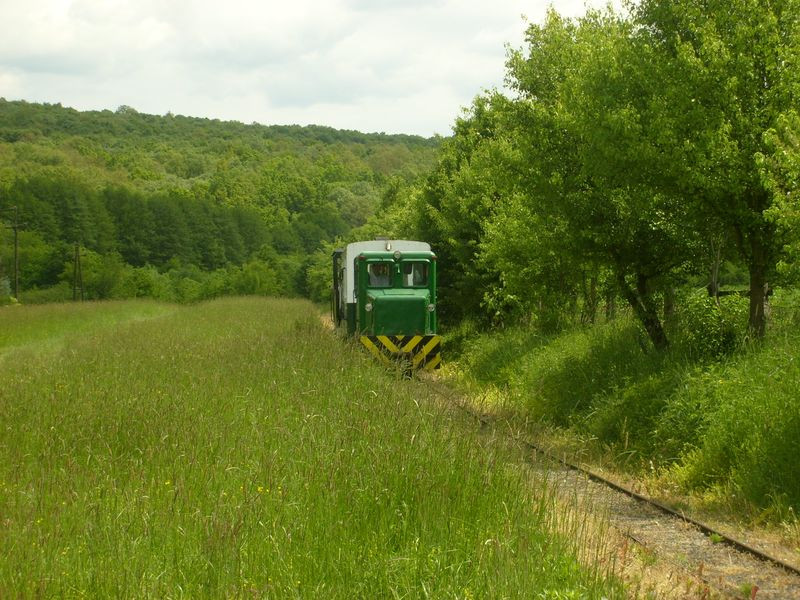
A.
pixel 634 151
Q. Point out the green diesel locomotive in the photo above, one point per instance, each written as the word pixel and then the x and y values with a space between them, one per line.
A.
pixel 384 292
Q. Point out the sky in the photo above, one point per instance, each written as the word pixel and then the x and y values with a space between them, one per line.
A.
pixel 394 66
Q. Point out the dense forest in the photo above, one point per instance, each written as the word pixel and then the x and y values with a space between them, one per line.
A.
pixel 181 208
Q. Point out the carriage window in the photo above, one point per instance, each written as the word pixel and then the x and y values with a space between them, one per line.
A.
pixel 415 274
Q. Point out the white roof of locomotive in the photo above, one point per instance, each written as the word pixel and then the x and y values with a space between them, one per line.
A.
pixel 356 248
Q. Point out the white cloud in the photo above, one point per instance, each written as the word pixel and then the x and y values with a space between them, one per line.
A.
pixel 10 83
pixel 391 65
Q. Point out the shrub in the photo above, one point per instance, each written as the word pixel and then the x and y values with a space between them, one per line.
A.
pixel 753 426
pixel 188 290
pixel 494 357
pixel 685 416
pixel 102 274
pixel 627 414
pixel 709 329
pixel 145 282
pixel 255 277
pixel 564 379
pixel 61 292
pixel 461 338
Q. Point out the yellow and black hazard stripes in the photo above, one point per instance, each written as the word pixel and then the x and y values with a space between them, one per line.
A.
pixel 422 351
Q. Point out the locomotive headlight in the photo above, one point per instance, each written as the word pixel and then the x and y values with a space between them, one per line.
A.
pixel 368 307
pixel 397 254
pixel 431 307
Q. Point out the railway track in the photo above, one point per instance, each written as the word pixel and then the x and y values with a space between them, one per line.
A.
pixel 747 571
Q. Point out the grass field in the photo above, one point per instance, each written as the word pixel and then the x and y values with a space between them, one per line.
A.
pixel 237 449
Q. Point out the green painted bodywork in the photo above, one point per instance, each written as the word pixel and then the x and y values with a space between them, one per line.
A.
pixel 396 310
pixel 350 318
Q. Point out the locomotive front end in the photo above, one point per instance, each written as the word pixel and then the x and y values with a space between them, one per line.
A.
pixel 393 306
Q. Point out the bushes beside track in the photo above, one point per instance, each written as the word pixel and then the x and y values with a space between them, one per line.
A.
pixel 715 412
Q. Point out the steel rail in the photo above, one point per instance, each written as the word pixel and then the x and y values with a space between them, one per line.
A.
pixel 703 527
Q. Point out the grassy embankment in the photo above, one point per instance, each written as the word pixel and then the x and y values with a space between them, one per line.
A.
pixel 235 448
pixel 715 415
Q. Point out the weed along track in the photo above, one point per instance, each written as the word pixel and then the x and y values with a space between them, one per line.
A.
pixel 708 562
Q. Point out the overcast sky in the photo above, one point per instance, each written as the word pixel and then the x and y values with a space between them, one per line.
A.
pixel 399 66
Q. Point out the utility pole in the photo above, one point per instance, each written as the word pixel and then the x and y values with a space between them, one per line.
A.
pixel 16 225
pixel 77 274
pixel 16 252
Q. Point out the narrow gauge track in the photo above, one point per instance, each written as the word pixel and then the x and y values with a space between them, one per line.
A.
pixel 719 537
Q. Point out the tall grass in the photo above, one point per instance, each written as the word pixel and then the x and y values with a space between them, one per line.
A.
pixel 43 327
pixel 236 448
pixel 716 411
pixel 749 437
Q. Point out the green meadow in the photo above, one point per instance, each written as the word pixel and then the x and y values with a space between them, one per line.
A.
pixel 236 448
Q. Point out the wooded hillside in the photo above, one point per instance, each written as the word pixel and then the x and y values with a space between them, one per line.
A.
pixel 184 197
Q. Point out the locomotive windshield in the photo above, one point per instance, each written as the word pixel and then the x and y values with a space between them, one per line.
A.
pixel 379 274
pixel 415 274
